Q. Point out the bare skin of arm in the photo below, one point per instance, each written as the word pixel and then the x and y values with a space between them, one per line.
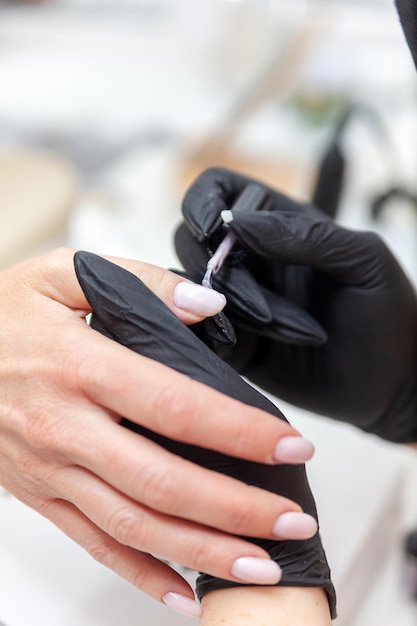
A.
pixel 266 606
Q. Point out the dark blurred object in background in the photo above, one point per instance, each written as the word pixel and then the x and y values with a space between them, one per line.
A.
pixel 410 546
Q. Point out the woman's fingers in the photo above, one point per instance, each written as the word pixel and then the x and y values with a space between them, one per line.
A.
pixel 160 480
pixel 165 401
pixel 65 388
pixel 58 492
pixel 192 545
pixel 144 571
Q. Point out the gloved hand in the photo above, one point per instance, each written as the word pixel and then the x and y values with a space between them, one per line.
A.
pixel 127 311
pixel 365 370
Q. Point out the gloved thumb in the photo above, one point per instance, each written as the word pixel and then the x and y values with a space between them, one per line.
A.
pixel 301 234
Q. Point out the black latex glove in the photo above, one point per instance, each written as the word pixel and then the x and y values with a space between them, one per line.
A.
pixel 407 10
pixel 127 311
pixel 365 372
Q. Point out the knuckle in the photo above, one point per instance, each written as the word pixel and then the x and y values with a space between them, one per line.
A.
pixel 246 515
pixel 71 373
pixel 128 527
pixel 318 232
pixel 58 256
pixel 103 551
pixel 49 258
pixel 41 429
pixel 380 261
pixel 213 172
pixel 48 427
pixel 46 266
pixel 372 246
pixel 174 412
pixel 373 240
pixel 47 424
pixel 159 487
pixel 63 361
pixel 210 175
pixel 201 556
pixel 70 366
pixel 140 578
pixel 246 435
pixel 38 482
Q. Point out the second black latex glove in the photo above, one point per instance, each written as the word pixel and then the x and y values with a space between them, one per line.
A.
pixel 365 372
pixel 125 310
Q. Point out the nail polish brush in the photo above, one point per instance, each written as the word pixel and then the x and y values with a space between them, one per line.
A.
pixel 254 197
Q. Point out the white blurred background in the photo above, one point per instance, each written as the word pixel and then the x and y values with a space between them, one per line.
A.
pixel 108 110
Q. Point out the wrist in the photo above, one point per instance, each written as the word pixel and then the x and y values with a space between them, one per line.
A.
pixel 252 606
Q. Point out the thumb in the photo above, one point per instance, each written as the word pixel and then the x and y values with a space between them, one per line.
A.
pixel 303 235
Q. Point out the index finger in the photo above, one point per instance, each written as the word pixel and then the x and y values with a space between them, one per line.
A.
pixel 210 194
pixel 52 275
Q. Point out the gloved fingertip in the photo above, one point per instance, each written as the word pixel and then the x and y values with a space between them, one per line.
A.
pixel 314 337
pixel 83 259
pixel 87 268
pixel 251 309
pixel 219 329
pixel 243 294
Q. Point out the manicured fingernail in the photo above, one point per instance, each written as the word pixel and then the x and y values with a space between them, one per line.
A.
pixel 181 604
pixel 293 450
pixel 253 570
pixel 197 299
pixel 294 525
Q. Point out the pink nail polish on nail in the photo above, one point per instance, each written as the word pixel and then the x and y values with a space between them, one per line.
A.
pixel 294 525
pixel 197 299
pixel 253 570
pixel 293 450
pixel 181 604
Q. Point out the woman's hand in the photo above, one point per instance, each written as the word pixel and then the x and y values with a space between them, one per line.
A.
pixel 125 310
pixel 122 497
pixel 357 360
